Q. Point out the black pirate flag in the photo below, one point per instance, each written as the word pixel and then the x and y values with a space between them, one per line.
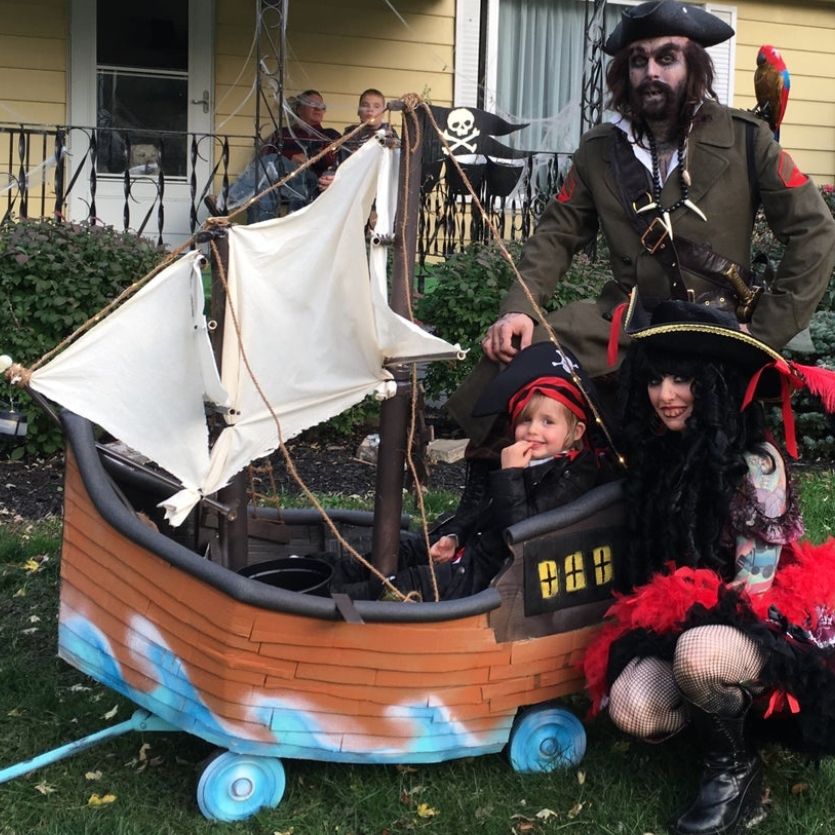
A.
pixel 469 132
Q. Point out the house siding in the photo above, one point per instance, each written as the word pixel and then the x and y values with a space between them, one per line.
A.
pixel 339 49
pixel 805 34
pixel 33 62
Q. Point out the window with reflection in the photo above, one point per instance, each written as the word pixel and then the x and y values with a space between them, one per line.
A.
pixel 142 87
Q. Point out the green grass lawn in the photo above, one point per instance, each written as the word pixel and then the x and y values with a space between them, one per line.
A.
pixel 148 782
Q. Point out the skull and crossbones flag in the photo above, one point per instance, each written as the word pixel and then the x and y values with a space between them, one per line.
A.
pixel 468 130
pixel 467 133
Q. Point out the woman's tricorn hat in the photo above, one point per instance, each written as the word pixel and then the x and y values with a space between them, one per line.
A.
pixel 698 331
pixel 542 366
pixel 667 17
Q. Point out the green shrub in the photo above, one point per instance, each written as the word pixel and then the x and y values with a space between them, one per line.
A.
pixel 815 430
pixel 464 296
pixel 53 277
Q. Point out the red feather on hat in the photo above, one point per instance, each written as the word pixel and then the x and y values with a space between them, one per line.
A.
pixel 820 382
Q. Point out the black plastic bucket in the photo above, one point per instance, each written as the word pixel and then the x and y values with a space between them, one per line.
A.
pixel 300 574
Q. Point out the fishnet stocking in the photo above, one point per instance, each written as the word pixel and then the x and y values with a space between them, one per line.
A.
pixel 644 700
pixel 711 666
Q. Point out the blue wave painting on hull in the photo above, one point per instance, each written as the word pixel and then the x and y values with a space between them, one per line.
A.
pixel 433 737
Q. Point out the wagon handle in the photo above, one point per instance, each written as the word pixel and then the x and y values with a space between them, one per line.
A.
pixel 141 720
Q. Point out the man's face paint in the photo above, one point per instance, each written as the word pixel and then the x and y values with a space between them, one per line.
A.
pixel 657 77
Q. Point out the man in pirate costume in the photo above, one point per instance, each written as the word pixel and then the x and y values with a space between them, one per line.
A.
pixel 726 620
pixel 673 183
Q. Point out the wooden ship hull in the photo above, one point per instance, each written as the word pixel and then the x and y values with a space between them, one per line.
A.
pixel 265 671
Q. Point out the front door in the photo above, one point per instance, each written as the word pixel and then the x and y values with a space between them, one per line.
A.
pixel 141 75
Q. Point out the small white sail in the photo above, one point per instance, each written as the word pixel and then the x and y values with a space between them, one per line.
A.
pixel 143 373
pixel 313 327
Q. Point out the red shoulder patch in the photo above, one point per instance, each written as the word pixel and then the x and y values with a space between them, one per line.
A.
pixel 568 186
pixel 790 175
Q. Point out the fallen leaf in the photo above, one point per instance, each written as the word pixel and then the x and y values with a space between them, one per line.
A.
pixel 581 777
pixel 30 631
pixel 289 831
pixel 406 769
pixel 424 810
pixel 546 814
pixel 800 788
pixel 100 800
pixel 92 775
pixel 155 761
pixel 575 810
pixel 44 788
pixel 15 711
pixel 111 713
pixel 483 812
pixel 34 564
pixel 21 592
pixel 34 619
pixel 524 825
pixel 621 746
pixel 79 688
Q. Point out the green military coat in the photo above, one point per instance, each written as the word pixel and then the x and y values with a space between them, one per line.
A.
pixel 717 159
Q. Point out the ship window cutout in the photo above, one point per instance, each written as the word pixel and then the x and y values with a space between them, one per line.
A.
pixel 602 557
pixel 549 581
pixel 575 577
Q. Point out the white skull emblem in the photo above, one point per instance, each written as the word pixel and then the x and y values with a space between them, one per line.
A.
pixel 461 131
pixel 460 121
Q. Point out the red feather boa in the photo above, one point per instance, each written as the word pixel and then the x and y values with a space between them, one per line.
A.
pixel 805 580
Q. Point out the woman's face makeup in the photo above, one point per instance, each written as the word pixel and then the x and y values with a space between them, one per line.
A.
pixel 672 398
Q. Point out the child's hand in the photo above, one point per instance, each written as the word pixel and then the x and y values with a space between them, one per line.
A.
pixel 444 549
pixel 517 455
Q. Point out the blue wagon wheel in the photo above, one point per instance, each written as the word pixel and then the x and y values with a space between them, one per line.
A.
pixel 234 786
pixel 545 738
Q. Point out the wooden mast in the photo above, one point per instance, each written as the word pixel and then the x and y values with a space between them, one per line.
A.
pixel 394 413
pixel 232 526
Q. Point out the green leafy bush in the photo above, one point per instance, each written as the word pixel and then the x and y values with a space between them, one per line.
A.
pixel 53 277
pixel 464 298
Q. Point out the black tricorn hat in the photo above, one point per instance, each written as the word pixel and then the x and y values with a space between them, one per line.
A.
pixel 696 330
pixel 667 17
pixel 538 362
pixel 699 331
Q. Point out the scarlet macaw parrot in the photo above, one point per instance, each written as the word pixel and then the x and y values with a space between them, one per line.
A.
pixel 772 83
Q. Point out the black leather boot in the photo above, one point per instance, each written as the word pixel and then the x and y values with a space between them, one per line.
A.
pixel 730 789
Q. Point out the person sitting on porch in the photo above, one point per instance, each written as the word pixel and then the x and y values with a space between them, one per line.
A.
pixel 283 152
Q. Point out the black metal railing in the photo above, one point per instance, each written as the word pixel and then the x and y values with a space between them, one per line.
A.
pixel 60 172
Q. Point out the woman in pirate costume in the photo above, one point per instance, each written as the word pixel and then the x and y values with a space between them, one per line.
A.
pixel 725 618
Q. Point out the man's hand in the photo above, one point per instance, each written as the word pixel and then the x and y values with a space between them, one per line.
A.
pixel 517 455
pixel 498 342
pixel 444 549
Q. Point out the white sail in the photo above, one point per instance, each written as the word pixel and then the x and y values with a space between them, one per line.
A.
pixel 143 373
pixel 313 327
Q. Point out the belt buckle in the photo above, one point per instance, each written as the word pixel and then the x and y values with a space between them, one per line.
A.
pixel 655 236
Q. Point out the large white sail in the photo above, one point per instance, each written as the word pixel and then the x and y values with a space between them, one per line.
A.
pixel 144 372
pixel 308 331
pixel 307 328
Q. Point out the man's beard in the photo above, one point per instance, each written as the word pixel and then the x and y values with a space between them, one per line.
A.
pixel 664 106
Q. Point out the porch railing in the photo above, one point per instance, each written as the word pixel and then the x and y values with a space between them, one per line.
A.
pixel 60 172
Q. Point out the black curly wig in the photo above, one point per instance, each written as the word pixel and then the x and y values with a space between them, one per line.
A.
pixel 680 484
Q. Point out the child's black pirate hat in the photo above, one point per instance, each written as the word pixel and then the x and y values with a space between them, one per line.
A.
pixel 695 330
pixel 541 366
pixel 667 17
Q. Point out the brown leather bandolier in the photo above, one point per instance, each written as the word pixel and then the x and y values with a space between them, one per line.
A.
pixel 712 279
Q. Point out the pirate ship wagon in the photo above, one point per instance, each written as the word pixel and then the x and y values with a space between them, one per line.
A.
pixel 160 612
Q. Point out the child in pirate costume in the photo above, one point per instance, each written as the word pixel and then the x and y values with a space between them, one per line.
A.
pixel 724 618
pixel 550 463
